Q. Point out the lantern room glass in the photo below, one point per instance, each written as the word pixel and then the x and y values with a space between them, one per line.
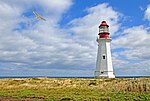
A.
pixel 103 29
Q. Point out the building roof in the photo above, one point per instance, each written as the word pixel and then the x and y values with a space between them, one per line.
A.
pixel 104 24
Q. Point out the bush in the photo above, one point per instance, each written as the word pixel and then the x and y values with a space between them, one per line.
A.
pixel 92 83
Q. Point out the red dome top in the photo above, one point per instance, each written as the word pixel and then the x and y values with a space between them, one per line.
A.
pixel 104 24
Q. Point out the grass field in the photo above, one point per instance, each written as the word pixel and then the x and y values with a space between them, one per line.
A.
pixel 76 89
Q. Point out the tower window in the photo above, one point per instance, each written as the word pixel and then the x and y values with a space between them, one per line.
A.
pixel 103 56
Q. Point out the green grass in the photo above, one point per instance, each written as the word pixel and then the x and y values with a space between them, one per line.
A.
pixel 77 89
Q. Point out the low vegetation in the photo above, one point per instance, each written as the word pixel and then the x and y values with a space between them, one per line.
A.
pixel 76 89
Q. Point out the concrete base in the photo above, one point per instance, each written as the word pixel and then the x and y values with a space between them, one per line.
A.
pixel 106 74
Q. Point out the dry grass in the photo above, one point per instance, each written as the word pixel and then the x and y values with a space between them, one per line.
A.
pixel 118 84
pixel 78 88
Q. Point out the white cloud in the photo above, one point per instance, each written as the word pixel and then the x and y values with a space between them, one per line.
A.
pixel 147 13
pixel 134 40
pixel 44 44
pixel 92 20
pixel 135 55
pixel 33 45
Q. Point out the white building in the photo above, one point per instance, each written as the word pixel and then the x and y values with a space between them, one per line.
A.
pixel 104 67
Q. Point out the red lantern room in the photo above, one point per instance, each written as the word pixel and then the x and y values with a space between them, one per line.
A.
pixel 103 30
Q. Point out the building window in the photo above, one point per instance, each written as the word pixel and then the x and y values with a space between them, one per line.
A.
pixel 103 56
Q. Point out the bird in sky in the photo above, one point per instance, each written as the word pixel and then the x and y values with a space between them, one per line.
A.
pixel 38 16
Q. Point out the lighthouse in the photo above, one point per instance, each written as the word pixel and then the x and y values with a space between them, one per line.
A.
pixel 104 67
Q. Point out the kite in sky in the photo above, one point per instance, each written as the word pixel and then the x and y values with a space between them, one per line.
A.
pixel 38 16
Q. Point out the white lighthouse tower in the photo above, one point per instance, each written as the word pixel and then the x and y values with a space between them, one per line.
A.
pixel 104 68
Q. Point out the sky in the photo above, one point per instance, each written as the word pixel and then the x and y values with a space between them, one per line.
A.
pixel 65 44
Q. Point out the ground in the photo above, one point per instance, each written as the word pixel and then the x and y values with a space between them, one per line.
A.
pixel 75 89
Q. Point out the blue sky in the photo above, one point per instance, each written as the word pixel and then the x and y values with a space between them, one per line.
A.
pixel 65 44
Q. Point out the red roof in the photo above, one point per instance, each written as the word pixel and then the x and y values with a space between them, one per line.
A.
pixel 104 24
